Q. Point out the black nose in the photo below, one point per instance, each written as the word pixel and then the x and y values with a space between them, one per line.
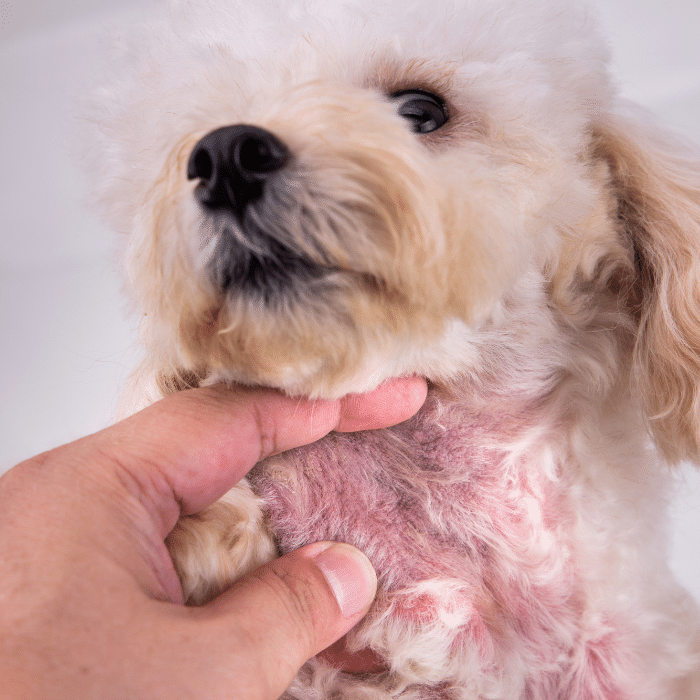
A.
pixel 234 163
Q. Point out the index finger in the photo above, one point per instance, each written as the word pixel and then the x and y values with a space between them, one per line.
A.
pixel 192 447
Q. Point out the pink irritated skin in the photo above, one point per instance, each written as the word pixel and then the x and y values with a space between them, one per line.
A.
pixel 425 608
pixel 440 497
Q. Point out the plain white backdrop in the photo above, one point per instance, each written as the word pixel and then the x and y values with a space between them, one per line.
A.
pixel 67 340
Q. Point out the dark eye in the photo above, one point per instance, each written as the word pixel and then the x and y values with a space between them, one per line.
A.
pixel 424 111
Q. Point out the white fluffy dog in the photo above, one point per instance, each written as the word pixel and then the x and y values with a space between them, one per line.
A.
pixel 322 195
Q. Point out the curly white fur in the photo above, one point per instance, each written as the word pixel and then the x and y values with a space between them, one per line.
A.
pixel 536 257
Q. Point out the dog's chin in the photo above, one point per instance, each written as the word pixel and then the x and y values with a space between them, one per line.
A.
pixel 286 321
pixel 316 353
pixel 290 322
pixel 312 376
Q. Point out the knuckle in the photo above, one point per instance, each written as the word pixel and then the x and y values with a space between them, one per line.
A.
pixel 265 431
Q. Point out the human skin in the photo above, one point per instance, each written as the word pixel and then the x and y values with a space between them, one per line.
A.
pixel 90 603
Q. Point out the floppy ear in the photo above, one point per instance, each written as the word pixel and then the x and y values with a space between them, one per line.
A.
pixel 657 184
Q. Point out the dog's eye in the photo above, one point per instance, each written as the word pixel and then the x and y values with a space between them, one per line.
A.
pixel 425 112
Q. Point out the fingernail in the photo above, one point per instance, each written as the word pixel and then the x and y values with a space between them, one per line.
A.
pixel 350 575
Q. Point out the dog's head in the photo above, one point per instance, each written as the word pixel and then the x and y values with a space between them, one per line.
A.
pixel 323 195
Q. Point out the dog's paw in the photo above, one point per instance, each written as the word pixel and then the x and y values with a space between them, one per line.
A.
pixel 218 545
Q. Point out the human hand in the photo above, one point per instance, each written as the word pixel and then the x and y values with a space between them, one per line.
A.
pixel 90 604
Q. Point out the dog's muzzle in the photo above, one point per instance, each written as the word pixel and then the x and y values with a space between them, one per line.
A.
pixel 233 164
pixel 241 171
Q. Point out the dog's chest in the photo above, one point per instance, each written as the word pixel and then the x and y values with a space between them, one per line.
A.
pixel 457 492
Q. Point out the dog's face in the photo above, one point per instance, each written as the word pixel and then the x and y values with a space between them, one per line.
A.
pixel 331 197
pixel 321 197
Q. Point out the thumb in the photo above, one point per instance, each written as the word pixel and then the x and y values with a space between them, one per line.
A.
pixel 291 609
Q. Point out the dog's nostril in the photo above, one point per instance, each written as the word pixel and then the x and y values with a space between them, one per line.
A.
pixel 259 156
pixel 233 164
pixel 200 165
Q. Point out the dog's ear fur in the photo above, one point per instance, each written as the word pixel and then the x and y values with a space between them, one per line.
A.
pixel 657 185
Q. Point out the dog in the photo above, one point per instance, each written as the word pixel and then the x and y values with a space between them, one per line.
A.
pixel 319 196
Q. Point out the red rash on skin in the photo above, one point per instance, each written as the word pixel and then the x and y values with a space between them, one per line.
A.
pixel 438 497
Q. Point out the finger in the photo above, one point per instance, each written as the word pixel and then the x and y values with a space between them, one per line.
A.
pixel 192 447
pixel 390 403
pixel 293 608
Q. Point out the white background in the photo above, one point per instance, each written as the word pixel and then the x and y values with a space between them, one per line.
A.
pixel 66 339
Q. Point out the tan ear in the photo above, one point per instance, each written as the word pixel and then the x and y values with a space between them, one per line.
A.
pixel 657 185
